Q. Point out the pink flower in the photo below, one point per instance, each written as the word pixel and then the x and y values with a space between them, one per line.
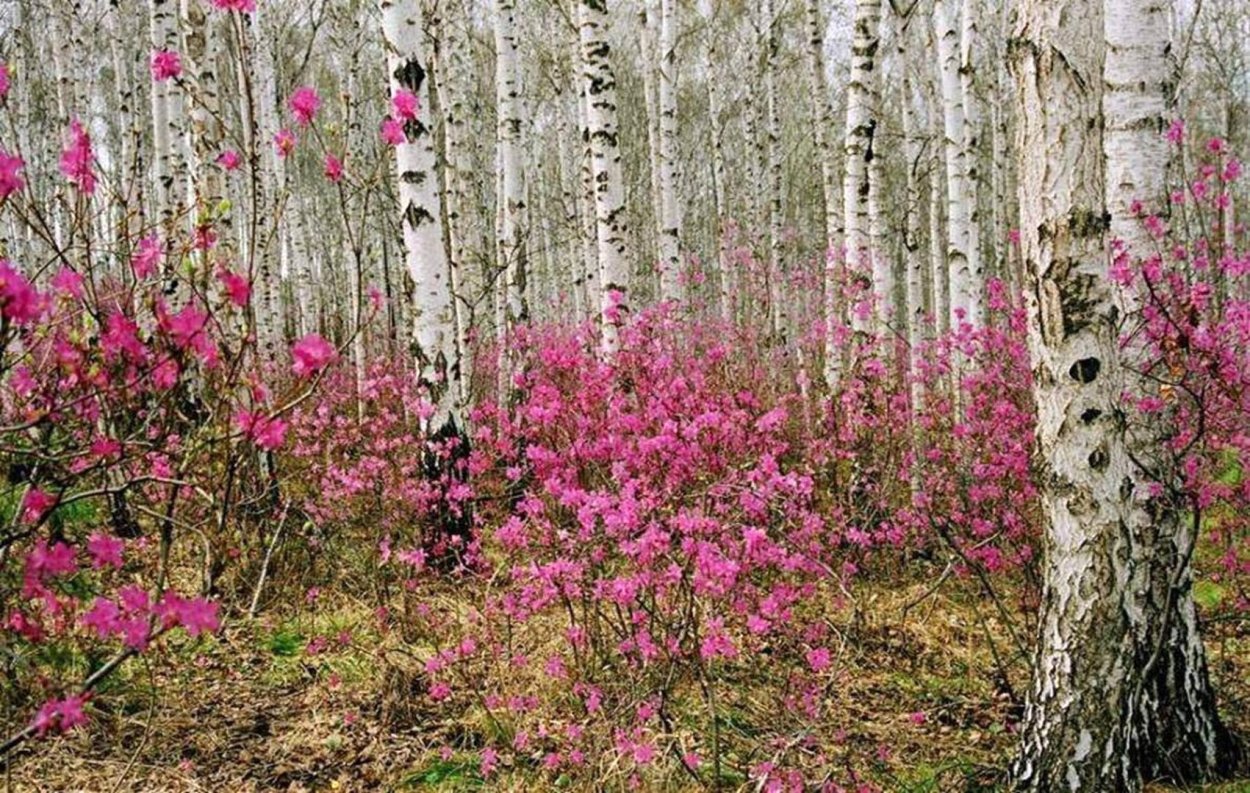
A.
pixel 10 182
pixel 1176 132
pixel 284 142
pixel 65 714
pixel 36 504
pixel 407 105
pixel 918 718
pixel 237 287
pixel 267 433
pixel 197 615
pixel 76 159
pixel 19 300
pixel 490 760
pixel 165 65
pixel 120 338
pixel 242 6
pixel 393 131
pixel 312 354
pixel 229 159
pixel 818 659
pixel 304 103
pixel 4 79
pixel 146 256
pixel 333 168
pixel 105 550
pixel 102 618
pixel 67 282
pixel 134 599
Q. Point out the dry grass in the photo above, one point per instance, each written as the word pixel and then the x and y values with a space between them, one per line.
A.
pixel 252 713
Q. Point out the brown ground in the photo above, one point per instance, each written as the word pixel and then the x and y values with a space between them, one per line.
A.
pixel 250 714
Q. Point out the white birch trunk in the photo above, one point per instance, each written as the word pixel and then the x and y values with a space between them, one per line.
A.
pixel 779 297
pixel 1120 689
pixel 513 239
pixel 959 233
pixel 434 323
pixel 671 286
pixel 606 163
pixel 861 126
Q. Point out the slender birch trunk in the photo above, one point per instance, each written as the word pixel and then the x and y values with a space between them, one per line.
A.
pixel 778 298
pixel 719 179
pixel 959 190
pixel 166 129
pixel 606 162
pixel 513 239
pixel 671 281
pixel 861 127
pixel 434 322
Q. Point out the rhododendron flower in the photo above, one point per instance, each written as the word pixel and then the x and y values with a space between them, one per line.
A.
pixel 121 338
pixel 166 64
pixel 393 131
pixel 4 79
pixel 19 300
pixel 407 105
pixel 229 159
pixel 284 142
pixel 818 659
pixel 10 181
pixel 242 6
pixel 197 615
pixel 65 715
pixel 67 282
pixel 490 760
pixel 165 375
pixel 105 550
pixel 304 103
pixel 333 168
pixel 267 433
pixel 237 287
pixel 76 159
pixel 102 618
pixel 36 504
pixel 146 256
pixel 134 599
pixel 1176 132
pixel 312 354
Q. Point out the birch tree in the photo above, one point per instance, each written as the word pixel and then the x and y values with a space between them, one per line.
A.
pixel 861 126
pixel 434 322
pixel 1120 691
pixel 670 205
pixel 962 238
pixel 511 246
pixel 605 157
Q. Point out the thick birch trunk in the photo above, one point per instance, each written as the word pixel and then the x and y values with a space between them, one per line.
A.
pixel 1120 691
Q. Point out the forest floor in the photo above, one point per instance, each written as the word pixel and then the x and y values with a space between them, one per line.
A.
pixel 254 712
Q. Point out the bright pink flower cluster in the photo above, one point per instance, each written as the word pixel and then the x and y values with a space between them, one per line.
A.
pixel 166 65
